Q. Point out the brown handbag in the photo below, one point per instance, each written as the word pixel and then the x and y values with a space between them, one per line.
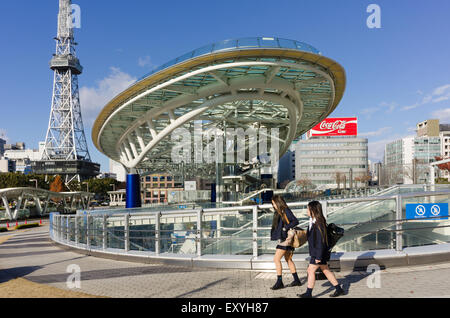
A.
pixel 296 236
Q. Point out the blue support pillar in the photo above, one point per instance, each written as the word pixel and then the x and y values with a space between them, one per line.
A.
pixel 133 191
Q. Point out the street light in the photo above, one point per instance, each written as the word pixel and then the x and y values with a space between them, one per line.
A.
pixel 34 180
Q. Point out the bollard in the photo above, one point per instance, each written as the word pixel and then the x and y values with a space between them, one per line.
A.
pixel 25 222
pixel 7 225
pixel 17 223
pixel 40 222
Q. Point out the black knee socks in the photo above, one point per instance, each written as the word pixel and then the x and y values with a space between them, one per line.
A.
pixel 309 291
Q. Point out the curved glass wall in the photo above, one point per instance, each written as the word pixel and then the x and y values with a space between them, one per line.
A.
pixel 238 44
pixel 370 223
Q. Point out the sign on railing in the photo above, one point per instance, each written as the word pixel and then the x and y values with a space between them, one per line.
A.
pixel 427 210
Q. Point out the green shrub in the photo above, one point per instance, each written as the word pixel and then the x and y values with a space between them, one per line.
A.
pixel 27 226
pixel 3 229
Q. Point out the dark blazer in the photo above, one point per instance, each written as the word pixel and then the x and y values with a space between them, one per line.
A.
pixel 281 229
pixel 318 249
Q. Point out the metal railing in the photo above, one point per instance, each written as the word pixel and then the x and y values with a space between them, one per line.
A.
pixel 246 229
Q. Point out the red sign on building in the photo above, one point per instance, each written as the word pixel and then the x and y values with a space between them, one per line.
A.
pixel 335 127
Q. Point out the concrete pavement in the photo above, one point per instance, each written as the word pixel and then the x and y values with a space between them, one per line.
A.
pixel 32 256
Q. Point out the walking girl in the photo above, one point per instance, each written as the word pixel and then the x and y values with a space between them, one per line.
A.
pixel 318 250
pixel 283 221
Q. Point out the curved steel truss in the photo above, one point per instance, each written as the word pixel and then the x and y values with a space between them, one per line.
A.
pixel 232 90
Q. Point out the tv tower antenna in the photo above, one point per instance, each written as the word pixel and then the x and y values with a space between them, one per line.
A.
pixel 66 152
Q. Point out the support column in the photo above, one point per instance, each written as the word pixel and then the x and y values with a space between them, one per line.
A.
pixel 19 204
pixel 105 232
pixel 46 205
pixel 133 190
pixel 158 233
pixel 38 205
pixel 126 235
pixel 255 231
pixel 399 224
pixel 77 234
pixel 7 209
pixel 199 232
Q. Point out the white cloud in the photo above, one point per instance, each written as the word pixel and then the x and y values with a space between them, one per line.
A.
pixel 378 132
pixel 439 94
pixel 144 61
pixel 442 114
pixel 389 106
pixel 382 107
pixel 445 89
pixel 93 99
pixel 440 99
pixel 411 106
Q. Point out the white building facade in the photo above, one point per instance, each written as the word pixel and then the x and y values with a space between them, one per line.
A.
pixel 328 161
pixel 118 170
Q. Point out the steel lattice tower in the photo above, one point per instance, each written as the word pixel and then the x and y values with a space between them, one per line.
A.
pixel 66 144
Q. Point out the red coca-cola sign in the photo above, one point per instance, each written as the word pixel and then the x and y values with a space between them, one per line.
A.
pixel 336 127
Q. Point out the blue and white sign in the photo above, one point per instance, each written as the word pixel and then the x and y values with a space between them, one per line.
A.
pixel 427 210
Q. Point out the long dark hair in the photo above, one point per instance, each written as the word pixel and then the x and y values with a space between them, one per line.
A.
pixel 280 210
pixel 315 207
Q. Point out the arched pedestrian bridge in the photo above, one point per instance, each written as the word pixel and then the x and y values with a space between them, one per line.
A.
pixel 21 197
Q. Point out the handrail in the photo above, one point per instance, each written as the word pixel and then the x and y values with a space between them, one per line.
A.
pixel 290 204
pixel 252 226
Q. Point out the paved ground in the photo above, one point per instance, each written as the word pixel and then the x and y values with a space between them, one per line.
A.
pixel 31 256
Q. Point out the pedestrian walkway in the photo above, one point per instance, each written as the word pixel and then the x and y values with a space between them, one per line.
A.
pixel 32 256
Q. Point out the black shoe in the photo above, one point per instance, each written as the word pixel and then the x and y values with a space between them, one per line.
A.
pixel 277 286
pixel 338 293
pixel 305 295
pixel 294 284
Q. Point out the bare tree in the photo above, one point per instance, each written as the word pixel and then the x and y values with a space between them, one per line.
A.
pixel 305 183
pixel 365 179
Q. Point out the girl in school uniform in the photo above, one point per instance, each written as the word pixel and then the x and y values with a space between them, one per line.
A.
pixel 318 250
pixel 283 221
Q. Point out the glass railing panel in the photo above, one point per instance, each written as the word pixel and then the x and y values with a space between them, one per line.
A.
pixel 203 50
pixel 178 234
pixel 268 42
pixel 116 232
pixel 82 229
pixel 72 229
pixel 228 233
pixel 288 44
pixel 248 43
pixel 224 45
pixel 366 239
pixel 425 232
pixel 96 232
pixel 142 233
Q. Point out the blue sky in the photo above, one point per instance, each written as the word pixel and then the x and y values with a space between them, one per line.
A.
pixel 397 75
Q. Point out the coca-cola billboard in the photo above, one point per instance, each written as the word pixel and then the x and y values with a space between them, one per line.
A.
pixel 335 127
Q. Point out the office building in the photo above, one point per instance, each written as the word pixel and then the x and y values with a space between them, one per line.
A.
pixel 328 162
pixel 156 187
